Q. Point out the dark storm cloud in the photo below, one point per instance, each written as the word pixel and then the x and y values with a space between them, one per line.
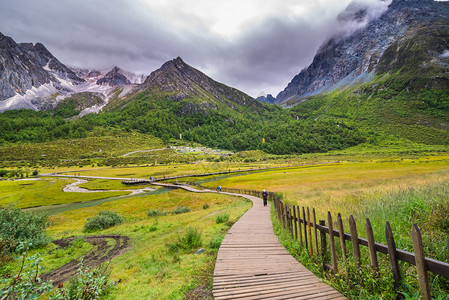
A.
pixel 262 55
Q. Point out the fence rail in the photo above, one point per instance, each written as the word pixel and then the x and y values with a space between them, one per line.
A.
pixel 315 241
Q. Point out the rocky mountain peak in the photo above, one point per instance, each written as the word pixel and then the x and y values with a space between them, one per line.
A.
pixel 114 77
pixel 183 82
pixel 354 58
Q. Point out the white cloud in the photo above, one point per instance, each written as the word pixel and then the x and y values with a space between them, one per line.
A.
pixel 253 45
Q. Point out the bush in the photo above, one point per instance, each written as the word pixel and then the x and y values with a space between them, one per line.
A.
pixel 156 212
pixel 104 219
pixel 216 242
pixel 191 240
pixel 17 226
pixel 205 206
pixel 90 283
pixel 181 210
pixel 222 218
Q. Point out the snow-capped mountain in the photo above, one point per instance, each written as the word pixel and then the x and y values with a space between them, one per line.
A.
pixel 31 77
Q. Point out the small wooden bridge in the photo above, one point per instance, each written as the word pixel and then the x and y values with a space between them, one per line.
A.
pixel 252 264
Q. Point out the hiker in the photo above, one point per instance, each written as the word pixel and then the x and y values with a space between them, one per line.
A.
pixel 265 197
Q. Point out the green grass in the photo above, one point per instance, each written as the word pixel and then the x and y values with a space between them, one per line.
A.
pixel 42 192
pixel 150 269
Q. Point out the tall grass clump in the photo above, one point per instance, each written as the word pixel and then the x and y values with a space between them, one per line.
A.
pixel 156 212
pixel 181 210
pixel 18 226
pixel 222 218
pixel 192 239
pixel 104 219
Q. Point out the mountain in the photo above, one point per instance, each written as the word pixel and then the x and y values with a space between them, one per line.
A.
pixel 30 68
pixel 114 78
pixel 410 36
pixel 31 77
pixel 266 99
pixel 189 90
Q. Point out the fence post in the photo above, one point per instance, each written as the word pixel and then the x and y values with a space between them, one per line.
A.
pixel 392 255
pixel 342 243
pixel 355 241
pixel 316 232
pixel 305 228
pixel 332 244
pixel 309 229
pixel 420 263
pixel 290 225
pixel 295 222
pixel 323 240
pixel 372 247
pixel 298 212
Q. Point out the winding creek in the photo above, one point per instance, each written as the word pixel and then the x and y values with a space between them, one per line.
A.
pixel 73 187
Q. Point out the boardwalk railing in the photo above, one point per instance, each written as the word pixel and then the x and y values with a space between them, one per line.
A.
pixel 303 227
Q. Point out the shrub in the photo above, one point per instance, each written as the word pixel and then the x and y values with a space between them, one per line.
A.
pixel 216 242
pixel 17 226
pixel 26 284
pixel 205 206
pixel 156 212
pixel 181 210
pixel 104 219
pixel 89 283
pixel 35 173
pixel 191 240
pixel 222 218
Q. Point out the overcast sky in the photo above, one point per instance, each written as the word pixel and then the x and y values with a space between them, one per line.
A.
pixel 253 45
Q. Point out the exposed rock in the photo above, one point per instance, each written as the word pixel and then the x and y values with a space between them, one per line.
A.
pixel 345 60
pixel 266 99
pixel 115 77
pixel 185 82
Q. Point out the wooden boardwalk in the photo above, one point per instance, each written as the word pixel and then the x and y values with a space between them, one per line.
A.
pixel 252 264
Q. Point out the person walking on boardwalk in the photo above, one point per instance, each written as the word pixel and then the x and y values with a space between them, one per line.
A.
pixel 265 197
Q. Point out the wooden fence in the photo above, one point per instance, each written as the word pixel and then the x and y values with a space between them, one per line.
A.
pixel 303 226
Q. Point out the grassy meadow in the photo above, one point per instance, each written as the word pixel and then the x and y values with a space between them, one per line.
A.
pixel 151 269
pixel 42 192
pixel 397 183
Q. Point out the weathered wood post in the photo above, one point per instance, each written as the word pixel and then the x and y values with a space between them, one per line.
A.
pixel 309 229
pixel 305 228
pixel 298 212
pixel 316 232
pixel 290 224
pixel 392 255
pixel 332 244
pixel 372 248
pixel 355 241
pixel 420 263
pixel 295 222
pixel 342 243
pixel 323 240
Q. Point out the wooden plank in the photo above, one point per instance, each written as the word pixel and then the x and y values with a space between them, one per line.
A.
pixel 309 230
pixel 342 243
pixel 305 228
pixel 295 222
pixel 420 263
pixel 392 254
pixel 252 264
pixel 332 243
pixel 299 227
pixel 355 242
pixel 316 231
pixel 371 247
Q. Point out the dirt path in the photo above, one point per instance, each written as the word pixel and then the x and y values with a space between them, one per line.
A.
pixel 74 188
pixel 102 252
